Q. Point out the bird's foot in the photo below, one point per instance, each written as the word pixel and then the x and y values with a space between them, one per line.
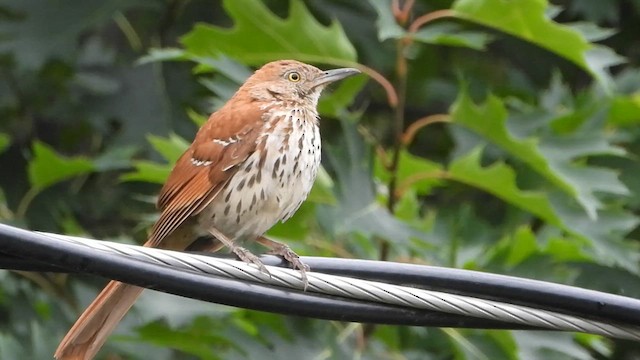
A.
pixel 289 255
pixel 248 257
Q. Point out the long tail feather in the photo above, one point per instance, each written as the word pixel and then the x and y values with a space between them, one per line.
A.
pixel 90 332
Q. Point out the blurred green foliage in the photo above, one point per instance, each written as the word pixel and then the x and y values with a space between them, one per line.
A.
pixel 490 135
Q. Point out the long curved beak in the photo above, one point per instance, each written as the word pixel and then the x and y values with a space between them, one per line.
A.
pixel 333 75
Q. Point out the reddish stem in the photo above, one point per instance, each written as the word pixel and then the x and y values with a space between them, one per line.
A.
pixel 413 129
pixel 429 17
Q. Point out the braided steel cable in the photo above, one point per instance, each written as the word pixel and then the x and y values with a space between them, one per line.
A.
pixel 29 250
pixel 367 290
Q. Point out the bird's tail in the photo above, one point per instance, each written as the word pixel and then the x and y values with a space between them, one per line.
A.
pixel 92 328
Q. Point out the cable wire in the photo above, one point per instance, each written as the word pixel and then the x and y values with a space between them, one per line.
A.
pixel 372 291
pixel 47 251
pixel 345 293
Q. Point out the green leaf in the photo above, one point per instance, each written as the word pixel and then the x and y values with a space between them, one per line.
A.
pixel 48 168
pixel 334 101
pixel 197 338
pixel 164 54
pixel 358 210
pixel 548 345
pixel 500 180
pixel 294 230
pixel 523 253
pixel 413 172
pixel 461 235
pixel 591 31
pixel 556 159
pixel 564 156
pixel 568 249
pixel 483 345
pixel 449 34
pixel 196 117
pixel 387 26
pixel 322 190
pixel 5 141
pixel 598 345
pixel 609 279
pixel 148 171
pixel 170 148
pixel 33 31
pixel 452 34
pixel 115 158
pixel 527 19
pixel 230 69
pixel 489 120
pixel 259 36
pixel 625 110
pixel 523 245
pixel 408 208
pixel 607 245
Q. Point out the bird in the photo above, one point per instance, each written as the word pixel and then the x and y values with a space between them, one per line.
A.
pixel 250 165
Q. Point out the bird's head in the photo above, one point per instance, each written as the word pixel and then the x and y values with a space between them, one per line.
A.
pixel 292 81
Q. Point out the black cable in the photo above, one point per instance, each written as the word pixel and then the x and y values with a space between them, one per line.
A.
pixel 515 290
pixel 534 293
pixel 47 252
pixel 12 262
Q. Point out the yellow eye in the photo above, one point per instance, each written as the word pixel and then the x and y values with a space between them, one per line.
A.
pixel 294 76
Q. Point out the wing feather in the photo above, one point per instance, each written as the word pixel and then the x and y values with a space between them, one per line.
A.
pixel 207 166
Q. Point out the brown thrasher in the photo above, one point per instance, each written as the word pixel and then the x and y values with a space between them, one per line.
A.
pixel 250 165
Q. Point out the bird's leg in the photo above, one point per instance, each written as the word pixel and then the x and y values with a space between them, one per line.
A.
pixel 242 253
pixel 278 248
pixel 205 245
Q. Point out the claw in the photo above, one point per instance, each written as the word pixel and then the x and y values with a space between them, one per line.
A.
pixel 280 249
pixel 248 257
pixel 294 260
